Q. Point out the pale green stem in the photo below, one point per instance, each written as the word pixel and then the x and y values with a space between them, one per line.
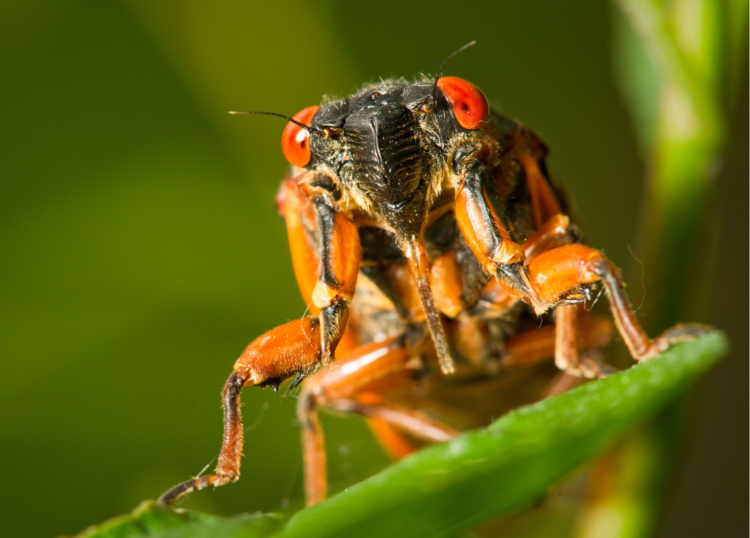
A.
pixel 682 132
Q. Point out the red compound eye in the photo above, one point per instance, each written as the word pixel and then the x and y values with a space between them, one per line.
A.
pixel 468 102
pixel 295 141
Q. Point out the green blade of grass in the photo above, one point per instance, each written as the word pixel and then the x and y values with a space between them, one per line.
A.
pixel 454 485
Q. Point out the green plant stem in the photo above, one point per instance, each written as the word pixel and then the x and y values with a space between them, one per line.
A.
pixel 683 141
pixel 672 76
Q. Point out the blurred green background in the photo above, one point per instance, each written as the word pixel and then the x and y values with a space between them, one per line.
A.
pixel 140 249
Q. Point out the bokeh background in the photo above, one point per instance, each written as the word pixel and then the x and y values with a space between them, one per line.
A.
pixel 140 250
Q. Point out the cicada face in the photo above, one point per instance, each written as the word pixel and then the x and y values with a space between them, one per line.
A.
pixel 388 147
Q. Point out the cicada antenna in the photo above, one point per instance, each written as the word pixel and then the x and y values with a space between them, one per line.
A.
pixel 448 59
pixel 305 127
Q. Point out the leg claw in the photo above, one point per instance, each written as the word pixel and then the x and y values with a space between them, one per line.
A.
pixel 675 335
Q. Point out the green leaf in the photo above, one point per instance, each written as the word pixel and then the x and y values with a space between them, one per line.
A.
pixel 151 519
pixel 454 485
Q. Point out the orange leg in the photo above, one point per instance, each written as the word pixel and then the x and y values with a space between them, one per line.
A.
pixel 340 253
pixel 393 442
pixel 288 352
pixel 556 277
pixel 292 351
pixel 553 277
pixel 532 347
pixel 363 365
pixel 412 422
pixel 299 215
pixel 567 357
pixel 446 281
pixel 562 382
pixel 574 368
pixel 530 153
pixel 566 337
pixel 482 224
pixel 486 228
pixel 325 253
pixel 556 232
pixel 340 387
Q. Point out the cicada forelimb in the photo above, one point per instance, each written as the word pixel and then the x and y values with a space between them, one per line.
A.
pixel 562 271
pixel 287 353
pixel 228 466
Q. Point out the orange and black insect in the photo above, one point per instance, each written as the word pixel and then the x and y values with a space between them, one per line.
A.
pixel 443 272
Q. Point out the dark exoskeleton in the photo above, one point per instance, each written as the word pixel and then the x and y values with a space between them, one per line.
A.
pixel 441 269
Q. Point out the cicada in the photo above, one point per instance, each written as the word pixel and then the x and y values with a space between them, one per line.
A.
pixel 443 272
